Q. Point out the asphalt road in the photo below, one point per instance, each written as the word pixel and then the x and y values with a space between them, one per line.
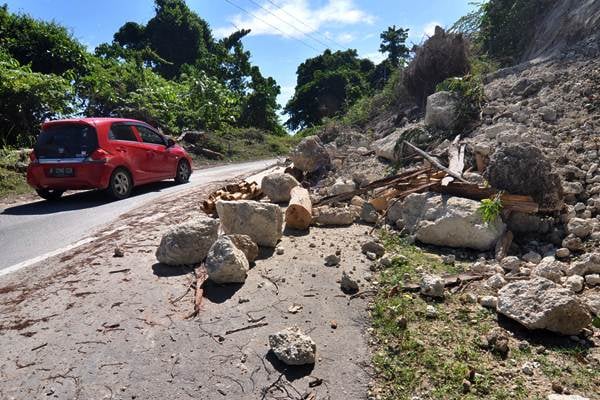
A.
pixel 33 229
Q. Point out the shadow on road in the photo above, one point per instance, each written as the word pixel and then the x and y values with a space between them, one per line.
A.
pixel 80 200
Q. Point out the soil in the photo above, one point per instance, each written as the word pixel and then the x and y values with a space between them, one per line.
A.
pixel 86 324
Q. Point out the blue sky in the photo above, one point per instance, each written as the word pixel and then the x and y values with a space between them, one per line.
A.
pixel 284 32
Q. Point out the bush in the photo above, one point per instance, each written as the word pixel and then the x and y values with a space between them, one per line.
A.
pixel 442 56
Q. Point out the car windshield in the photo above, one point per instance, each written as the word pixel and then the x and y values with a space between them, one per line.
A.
pixel 66 141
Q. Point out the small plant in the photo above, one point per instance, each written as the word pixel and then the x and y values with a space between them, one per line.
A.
pixel 490 208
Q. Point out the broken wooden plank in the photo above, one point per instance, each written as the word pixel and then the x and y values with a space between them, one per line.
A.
pixel 456 159
pixel 385 182
pixel 512 202
pixel 435 162
pixel 503 245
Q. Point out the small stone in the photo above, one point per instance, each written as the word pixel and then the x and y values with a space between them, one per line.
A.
pixel 334 324
pixel 574 283
pixel 368 213
pixel 532 257
pixel 432 286
pixel 489 302
pixel 523 345
pixel 510 263
pixel 497 341
pixel 332 260
pixel 243 300
pixel 557 387
pixel 293 347
pixel 371 256
pixel 295 308
pixel 592 280
pixel 430 311
pixel 528 368
pixel 466 386
pixel 279 251
pixel 401 322
pixel 573 243
pixel 348 284
pixel 496 281
pixel 373 247
pixel 449 259
pixel 563 252
pixel 118 252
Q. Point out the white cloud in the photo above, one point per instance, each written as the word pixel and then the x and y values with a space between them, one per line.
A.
pixel 344 38
pixel 375 56
pixel 271 20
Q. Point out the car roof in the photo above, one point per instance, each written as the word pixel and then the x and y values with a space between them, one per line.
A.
pixel 95 121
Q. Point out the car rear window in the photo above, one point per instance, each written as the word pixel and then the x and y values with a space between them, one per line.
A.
pixel 66 141
pixel 122 132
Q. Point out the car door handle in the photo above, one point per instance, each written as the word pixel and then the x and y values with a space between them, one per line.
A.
pixel 121 149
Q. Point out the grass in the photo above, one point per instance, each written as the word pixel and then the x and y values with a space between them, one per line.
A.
pixel 11 182
pixel 435 358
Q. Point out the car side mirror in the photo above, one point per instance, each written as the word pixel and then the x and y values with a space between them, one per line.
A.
pixel 170 142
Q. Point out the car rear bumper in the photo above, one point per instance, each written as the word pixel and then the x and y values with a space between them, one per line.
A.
pixel 87 175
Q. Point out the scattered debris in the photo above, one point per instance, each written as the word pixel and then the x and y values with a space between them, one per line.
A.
pixel 235 191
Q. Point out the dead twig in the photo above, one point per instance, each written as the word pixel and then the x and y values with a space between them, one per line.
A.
pixel 201 277
pixel 39 347
pixel 244 328
pixel 117 271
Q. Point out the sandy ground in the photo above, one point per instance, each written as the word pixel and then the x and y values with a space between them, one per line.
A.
pixel 87 325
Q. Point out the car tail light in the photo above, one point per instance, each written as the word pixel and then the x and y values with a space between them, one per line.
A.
pixel 32 158
pixel 98 156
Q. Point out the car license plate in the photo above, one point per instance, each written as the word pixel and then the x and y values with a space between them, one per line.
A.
pixel 61 172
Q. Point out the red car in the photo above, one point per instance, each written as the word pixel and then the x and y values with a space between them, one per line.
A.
pixel 103 153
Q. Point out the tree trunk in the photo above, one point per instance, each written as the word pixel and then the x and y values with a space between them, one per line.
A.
pixel 299 212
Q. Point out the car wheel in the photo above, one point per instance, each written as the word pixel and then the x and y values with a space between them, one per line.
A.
pixel 50 194
pixel 183 172
pixel 121 184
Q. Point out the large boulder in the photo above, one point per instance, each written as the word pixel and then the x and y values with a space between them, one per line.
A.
pixel 189 242
pixel 335 216
pixel 441 110
pixel 391 147
pixel 278 186
pixel 226 263
pixel 293 347
pixel 589 263
pixel 541 304
pixel 310 155
pixel 246 245
pixel 448 221
pixel 385 147
pixel 522 168
pixel 263 222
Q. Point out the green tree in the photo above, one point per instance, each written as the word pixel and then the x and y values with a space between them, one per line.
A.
pixel 28 98
pixel 260 106
pixel 393 42
pixel 46 46
pixel 326 86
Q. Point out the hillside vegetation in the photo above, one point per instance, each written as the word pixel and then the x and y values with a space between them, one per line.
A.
pixel 170 72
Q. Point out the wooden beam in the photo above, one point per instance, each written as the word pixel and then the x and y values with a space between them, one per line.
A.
pixel 435 162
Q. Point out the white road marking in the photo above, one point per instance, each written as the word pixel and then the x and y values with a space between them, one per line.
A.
pixel 35 260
